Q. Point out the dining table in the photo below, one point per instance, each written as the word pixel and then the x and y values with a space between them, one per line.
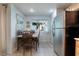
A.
pixel 20 38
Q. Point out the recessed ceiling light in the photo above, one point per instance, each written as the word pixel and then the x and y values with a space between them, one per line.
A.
pixel 31 10
pixel 51 10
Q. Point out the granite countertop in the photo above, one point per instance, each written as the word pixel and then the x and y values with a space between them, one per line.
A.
pixel 76 38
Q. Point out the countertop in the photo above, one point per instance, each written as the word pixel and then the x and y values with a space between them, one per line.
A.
pixel 76 38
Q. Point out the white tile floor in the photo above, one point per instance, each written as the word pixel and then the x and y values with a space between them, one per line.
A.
pixel 45 45
pixel 45 49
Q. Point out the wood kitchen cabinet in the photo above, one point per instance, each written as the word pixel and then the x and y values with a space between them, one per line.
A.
pixel 71 31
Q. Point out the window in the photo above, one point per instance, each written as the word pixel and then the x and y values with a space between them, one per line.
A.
pixel 42 25
pixel 20 22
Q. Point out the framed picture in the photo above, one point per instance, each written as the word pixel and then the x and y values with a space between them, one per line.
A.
pixel 20 22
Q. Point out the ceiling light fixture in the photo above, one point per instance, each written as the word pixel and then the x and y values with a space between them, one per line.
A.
pixel 51 10
pixel 32 10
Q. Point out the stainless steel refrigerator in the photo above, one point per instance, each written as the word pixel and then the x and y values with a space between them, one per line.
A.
pixel 59 34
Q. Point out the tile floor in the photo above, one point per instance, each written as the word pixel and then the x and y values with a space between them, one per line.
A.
pixel 44 49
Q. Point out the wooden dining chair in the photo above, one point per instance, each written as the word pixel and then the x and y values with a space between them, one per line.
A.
pixel 19 39
pixel 27 43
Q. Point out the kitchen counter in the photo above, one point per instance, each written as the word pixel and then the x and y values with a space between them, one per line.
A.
pixel 76 38
pixel 77 46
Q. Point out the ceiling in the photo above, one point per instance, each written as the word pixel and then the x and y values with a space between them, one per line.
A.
pixel 39 8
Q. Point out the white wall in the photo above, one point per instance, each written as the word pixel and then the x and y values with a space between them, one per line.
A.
pixel 11 27
pixel 14 11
